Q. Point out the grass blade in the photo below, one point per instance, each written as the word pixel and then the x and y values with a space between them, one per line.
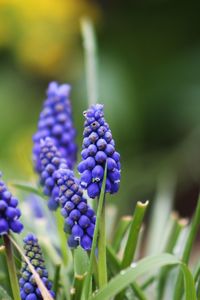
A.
pixel 122 228
pixel 194 226
pixel 176 228
pixel 133 234
pixel 148 264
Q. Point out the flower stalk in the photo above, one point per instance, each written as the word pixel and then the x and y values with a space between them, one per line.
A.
pixel 11 268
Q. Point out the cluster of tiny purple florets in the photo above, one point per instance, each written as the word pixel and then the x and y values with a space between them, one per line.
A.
pixel 64 189
pixel 28 287
pixel 79 217
pixel 56 122
pixel 9 212
pixel 98 148
pixel 50 161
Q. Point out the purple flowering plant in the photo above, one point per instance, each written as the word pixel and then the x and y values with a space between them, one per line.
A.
pixel 65 241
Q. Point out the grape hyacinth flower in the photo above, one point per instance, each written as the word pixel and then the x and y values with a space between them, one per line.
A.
pixel 50 161
pixel 79 217
pixel 56 122
pixel 28 287
pixel 9 212
pixel 98 148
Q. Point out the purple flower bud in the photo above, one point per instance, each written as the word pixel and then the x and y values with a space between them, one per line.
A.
pixel 75 214
pixel 86 178
pixel 72 242
pixel 111 164
pixel 97 173
pixel 100 157
pixel 93 190
pixel 77 231
pixel 9 212
pixel 84 221
pixel 3 205
pixel 90 163
pixel 3 227
pixel 86 242
pixel 92 150
pixel 101 144
pixel 90 230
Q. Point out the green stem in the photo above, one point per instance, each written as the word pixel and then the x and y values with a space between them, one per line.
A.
pixel 89 44
pixel 187 250
pixel 102 265
pixel 11 268
pixel 56 279
pixel 86 293
pixel 62 237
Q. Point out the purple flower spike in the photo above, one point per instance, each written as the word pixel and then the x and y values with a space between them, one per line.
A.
pixel 98 148
pixel 28 287
pixel 50 162
pixel 9 212
pixel 56 122
pixel 79 217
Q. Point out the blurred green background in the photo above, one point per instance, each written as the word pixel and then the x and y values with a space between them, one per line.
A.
pixel 149 79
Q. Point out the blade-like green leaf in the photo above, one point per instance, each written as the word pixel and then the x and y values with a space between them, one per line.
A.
pixel 4 295
pixel 27 187
pixel 120 232
pixel 126 277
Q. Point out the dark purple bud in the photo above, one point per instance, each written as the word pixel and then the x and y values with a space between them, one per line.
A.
pixel 82 166
pixel 93 190
pixel 114 175
pixel 97 173
pixel 92 150
pixel 3 205
pixel 84 153
pixel 3 226
pixel 72 243
pixel 100 157
pixel 75 214
pixel 86 242
pixel 101 144
pixel 109 149
pixel 77 231
pixel 86 178
pixel 84 221
pixel 90 230
pixel 111 164
pixel 16 226
pixel 82 207
pixel 93 137
pixel 90 162
pixel 69 206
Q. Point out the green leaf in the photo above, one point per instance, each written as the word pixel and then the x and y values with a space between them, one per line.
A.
pixel 134 234
pixel 27 187
pixel 4 295
pixel 81 261
pixel 148 264
pixel 120 232
pixel 187 249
